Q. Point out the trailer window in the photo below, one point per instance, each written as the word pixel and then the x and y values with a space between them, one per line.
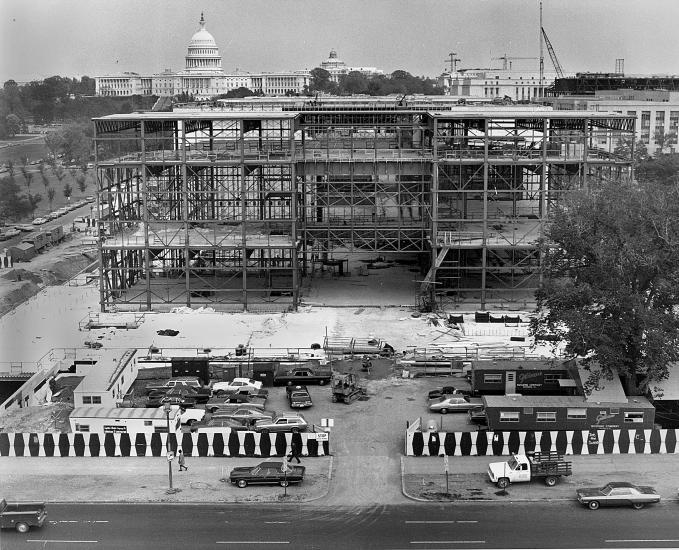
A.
pixel 546 416
pixel 579 414
pixel 492 378
pixel 509 416
pixel 82 428
pixel 634 417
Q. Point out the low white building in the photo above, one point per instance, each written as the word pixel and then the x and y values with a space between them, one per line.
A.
pixel 124 420
pixel 106 378
pixel 496 83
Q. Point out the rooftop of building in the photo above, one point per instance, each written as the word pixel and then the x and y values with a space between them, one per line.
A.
pixel 518 365
pixel 109 363
pixel 560 401
pixel 119 413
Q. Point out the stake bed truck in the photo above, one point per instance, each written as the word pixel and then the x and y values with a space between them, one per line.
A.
pixel 546 466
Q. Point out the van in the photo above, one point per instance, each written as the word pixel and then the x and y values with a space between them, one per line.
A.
pixel 80 223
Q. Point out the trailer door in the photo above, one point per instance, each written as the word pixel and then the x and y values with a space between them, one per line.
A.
pixel 510 382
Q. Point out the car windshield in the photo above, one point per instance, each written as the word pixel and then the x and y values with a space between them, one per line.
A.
pixel 512 463
pixel 607 489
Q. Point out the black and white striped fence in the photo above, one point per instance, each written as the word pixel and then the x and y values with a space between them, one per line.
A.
pixel 220 444
pixel 568 442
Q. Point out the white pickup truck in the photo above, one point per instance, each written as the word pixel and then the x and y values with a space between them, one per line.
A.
pixel 547 466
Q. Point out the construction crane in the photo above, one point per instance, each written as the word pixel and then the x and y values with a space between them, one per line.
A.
pixel 453 60
pixel 552 55
pixel 507 60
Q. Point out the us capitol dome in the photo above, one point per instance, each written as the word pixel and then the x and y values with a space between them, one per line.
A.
pixel 203 53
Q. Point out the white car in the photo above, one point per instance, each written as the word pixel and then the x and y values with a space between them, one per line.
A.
pixel 191 416
pixel 237 384
pixel 39 221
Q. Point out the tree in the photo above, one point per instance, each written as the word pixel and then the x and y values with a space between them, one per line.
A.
pixel 59 173
pixel 10 167
pixel 662 168
pixel 51 193
pixel 663 141
pixel 81 181
pixel 33 201
pixel 320 80
pixel 13 125
pixel 54 142
pixel 611 280
pixel 353 83
pixel 68 191
pixel 13 206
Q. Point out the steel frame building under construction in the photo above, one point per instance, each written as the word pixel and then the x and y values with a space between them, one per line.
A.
pixel 233 207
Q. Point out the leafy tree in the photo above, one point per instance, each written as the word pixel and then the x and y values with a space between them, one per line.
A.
pixel 237 93
pixel 611 279
pixel 23 159
pixel 33 201
pixel 13 205
pixel 662 168
pixel 68 190
pixel 664 140
pixel 12 124
pixel 59 173
pixel 81 181
pixel 45 179
pixel 624 147
pixel 354 83
pixel 54 142
pixel 51 193
pixel 320 80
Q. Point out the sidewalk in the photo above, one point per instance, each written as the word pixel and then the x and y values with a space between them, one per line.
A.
pixel 424 478
pixel 131 479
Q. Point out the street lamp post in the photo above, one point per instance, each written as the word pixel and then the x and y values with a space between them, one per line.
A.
pixel 167 408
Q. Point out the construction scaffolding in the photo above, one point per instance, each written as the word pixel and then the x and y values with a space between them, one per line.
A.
pixel 234 209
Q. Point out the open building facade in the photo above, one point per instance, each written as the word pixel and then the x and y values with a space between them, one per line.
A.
pixel 237 208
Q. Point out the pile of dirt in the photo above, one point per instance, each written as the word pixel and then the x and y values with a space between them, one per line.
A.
pixel 50 417
pixel 18 285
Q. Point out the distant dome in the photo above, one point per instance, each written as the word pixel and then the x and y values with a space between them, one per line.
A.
pixel 203 54
pixel 202 38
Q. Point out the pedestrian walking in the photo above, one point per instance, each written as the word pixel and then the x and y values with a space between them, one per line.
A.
pixel 295 452
pixel 182 463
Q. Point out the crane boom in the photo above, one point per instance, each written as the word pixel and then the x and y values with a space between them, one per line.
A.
pixel 552 55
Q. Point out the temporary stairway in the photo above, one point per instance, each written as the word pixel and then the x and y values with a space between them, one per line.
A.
pixel 428 281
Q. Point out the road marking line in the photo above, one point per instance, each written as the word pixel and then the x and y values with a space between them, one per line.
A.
pixel 447 542
pixel 440 521
pixel 467 521
pixel 252 542
pixel 642 540
pixel 64 541
pixel 276 522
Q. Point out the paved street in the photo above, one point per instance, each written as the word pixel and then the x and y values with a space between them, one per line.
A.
pixel 469 525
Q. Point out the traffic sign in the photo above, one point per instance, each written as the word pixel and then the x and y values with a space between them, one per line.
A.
pixel 170 456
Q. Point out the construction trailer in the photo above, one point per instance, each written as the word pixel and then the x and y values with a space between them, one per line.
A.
pixel 558 412
pixel 523 376
pixel 236 208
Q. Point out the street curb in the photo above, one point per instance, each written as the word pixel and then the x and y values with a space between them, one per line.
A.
pixel 488 500
pixel 200 502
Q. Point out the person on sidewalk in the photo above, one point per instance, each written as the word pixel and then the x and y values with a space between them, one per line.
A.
pixel 182 463
pixel 295 452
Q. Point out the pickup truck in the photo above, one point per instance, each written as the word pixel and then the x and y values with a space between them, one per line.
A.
pixel 546 466
pixel 22 515
pixel 317 374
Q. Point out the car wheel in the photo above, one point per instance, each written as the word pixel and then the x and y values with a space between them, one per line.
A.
pixel 593 505
pixel 503 483
pixel 334 398
pixel 321 382
pixel 638 505
pixel 295 430
pixel 444 411
pixel 22 527
pixel 266 431
pixel 550 481
pixel 242 483
pixel 284 483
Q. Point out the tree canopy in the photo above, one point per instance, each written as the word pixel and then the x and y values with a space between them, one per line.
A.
pixel 355 82
pixel 611 279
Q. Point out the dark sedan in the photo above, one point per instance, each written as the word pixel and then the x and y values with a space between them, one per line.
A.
pixel 618 493
pixel 447 390
pixel 267 473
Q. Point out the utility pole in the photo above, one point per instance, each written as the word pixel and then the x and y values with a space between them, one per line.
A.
pixel 542 58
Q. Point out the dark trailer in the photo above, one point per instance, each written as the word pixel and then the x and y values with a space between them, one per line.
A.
pixel 562 412
pixel 531 376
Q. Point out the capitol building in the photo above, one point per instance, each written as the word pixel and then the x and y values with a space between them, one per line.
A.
pixel 203 76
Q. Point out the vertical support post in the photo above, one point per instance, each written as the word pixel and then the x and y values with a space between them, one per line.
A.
pixel 185 215
pixel 243 211
pixel 100 243
pixel 542 214
pixel 484 241
pixel 145 216
pixel 434 216
pixel 293 212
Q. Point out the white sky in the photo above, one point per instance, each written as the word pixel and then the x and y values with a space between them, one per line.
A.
pixel 40 38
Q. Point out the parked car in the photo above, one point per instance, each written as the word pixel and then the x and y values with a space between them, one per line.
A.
pixel 218 425
pixel 477 415
pixel 237 384
pixel 180 381
pixel 294 423
pixel 40 221
pixel 191 416
pixel 244 414
pixel 25 227
pixel 298 397
pixel 174 396
pixel 12 232
pixel 445 391
pixel 22 515
pixel 453 403
pixel 617 493
pixel 234 399
pixel 267 473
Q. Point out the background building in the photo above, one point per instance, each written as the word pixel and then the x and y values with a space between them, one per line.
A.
pixel 236 208
pixel 495 83
pixel 336 67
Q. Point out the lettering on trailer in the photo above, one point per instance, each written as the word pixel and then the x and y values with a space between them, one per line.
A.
pixel 115 429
